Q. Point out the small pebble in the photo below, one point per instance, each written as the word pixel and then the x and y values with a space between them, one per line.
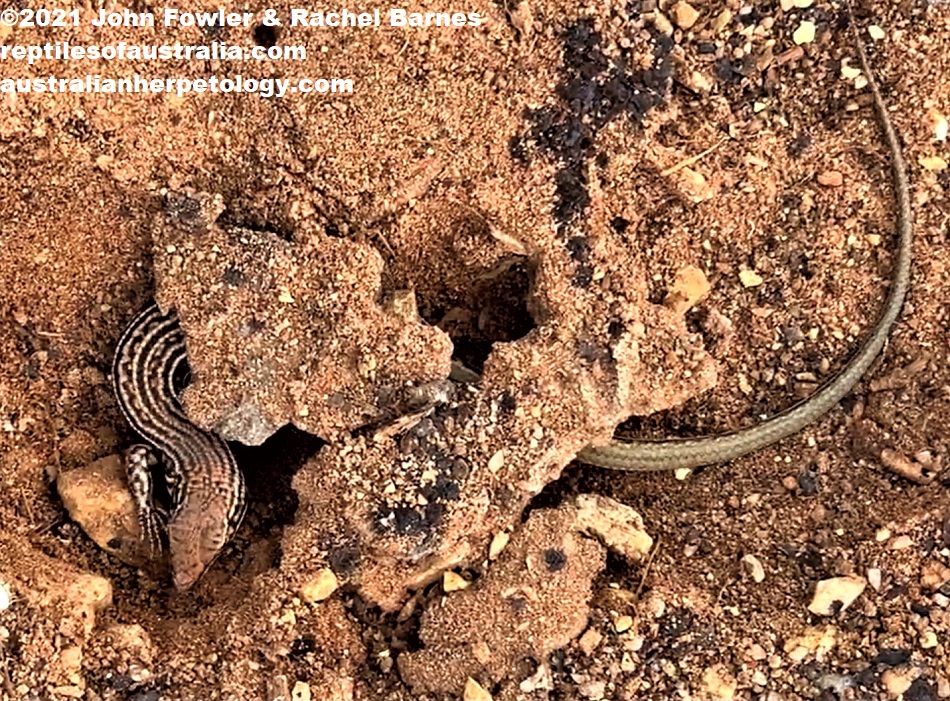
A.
pixel 902 542
pixel 896 683
pixel 830 178
pixel 932 163
pixel 876 32
pixel 138 673
pixel 805 34
pixel 497 461
pixel 754 568
pixel 933 575
pixel 278 690
pixel 452 581
pixel 498 544
pixel 939 124
pixel 808 482
pixel 300 692
pixel 928 640
pixel 722 20
pixel 684 14
pixel 320 587
pixel 849 72
pixel 5 597
pixel 874 578
pixel 474 691
pixel 616 525
pixel 593 690
pixel 623 623
pixel 836 594
pixel 719 683
pixel 750 278
pixel 689 287
pixel 663 25
pixel 70 660
pixel 590 640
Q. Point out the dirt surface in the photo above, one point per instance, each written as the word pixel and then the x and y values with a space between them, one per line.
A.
pixel 540 183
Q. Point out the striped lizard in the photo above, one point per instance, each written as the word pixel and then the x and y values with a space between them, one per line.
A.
pixel 204 482
pixel 207 488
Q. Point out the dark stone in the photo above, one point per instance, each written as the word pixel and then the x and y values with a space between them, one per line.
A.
pixel 555 559
pixel 808 482
pixel 920 690
pixel 302 646
pixel 233 277
pixel 891 657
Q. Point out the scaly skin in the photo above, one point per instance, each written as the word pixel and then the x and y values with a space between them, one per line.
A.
pixel 203 479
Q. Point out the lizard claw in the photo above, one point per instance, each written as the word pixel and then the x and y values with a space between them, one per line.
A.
pixel 139 461
pixel 151 525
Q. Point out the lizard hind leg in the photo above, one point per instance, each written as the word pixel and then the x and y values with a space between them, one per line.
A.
pixel 140 459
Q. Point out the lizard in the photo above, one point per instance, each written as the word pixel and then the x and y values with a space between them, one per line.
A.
pixel 207 487
pixel 204 482
pixel 643 456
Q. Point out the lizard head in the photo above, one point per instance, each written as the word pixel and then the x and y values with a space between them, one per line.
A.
pixel 195 537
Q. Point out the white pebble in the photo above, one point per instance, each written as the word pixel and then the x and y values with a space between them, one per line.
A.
pixel 805 34
pixel 836 594
pixel 754 567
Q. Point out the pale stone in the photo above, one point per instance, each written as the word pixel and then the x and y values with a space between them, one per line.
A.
pixel 301 692
pixel 750 278
pixel 805 34
pixel 684 14
pixel 836 594
pixel 497 461
pixel 754 568
pixel 719 683
pixel 895 682
pixel 623 623
pixel 474 691
pixel 616 525
pixel 320 587
pixel 452 581
pixel 689 287
pixel 498 544
pixel 589 641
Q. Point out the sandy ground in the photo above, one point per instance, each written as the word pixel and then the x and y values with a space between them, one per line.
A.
pixel 724 145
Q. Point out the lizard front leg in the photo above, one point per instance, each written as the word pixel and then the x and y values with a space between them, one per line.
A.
pixel 140 459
